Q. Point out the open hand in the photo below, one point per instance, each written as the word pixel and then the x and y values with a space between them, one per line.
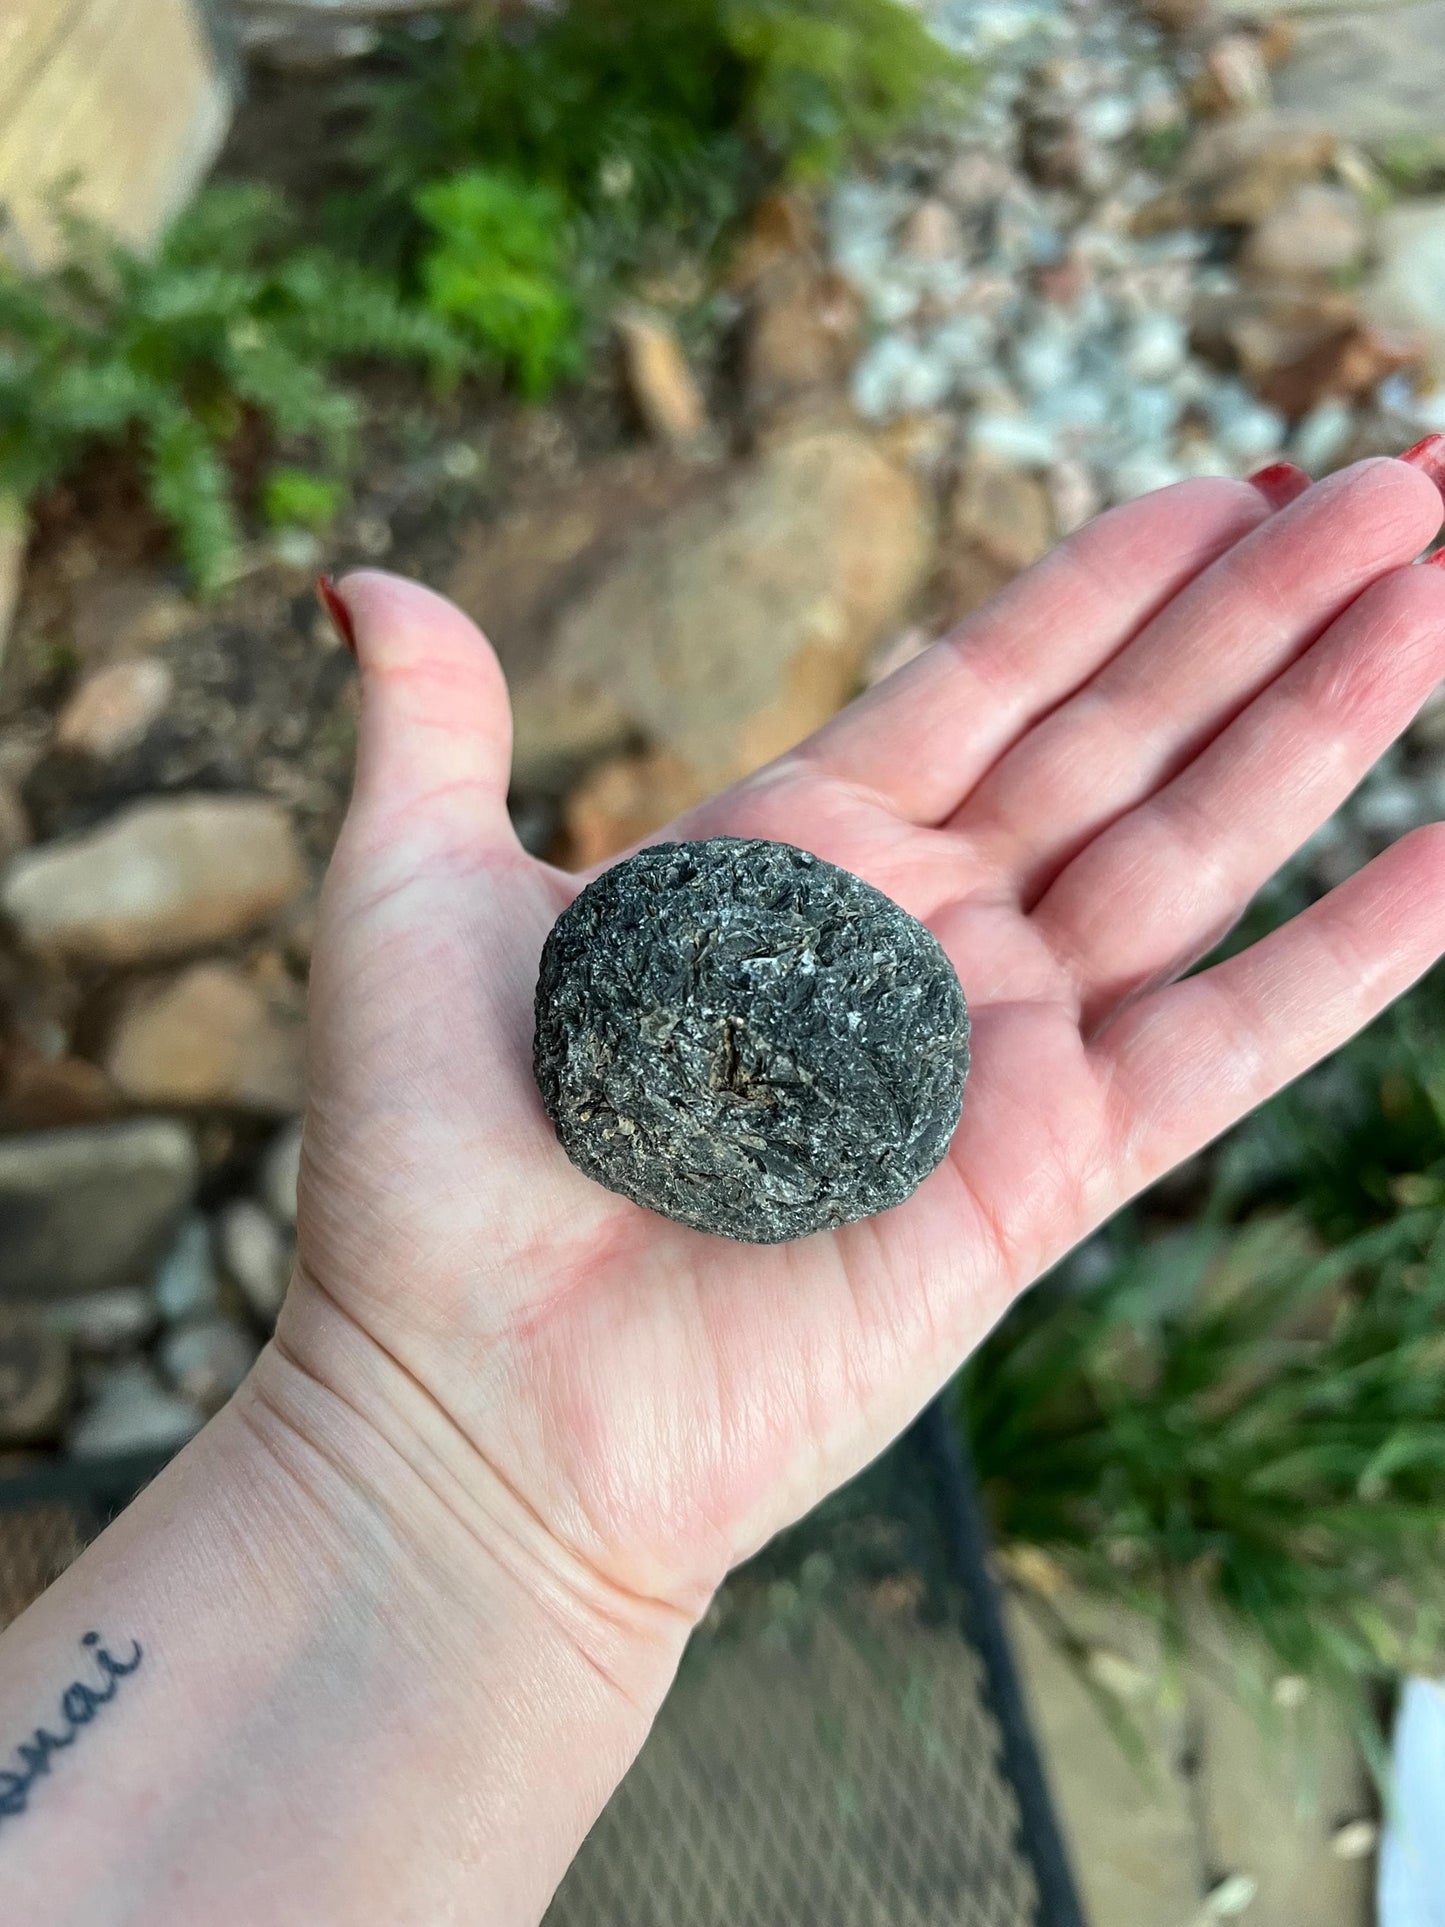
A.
pixel 1079 792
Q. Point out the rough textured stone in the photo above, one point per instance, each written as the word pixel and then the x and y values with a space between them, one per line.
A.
pixel 113 708
pixel 157 880
pixel 212 1035
pixel 81 1210
pixel 34 1379
pixel 748 1040
pixel 731 628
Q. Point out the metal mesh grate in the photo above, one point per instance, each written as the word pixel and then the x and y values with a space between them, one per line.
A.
pixel 843 1746
pixel 828 1756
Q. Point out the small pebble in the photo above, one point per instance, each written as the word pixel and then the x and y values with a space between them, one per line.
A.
pixel 186 1286
pixel 280 1172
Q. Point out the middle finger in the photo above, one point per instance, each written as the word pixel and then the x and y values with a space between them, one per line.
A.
pixel 1152 708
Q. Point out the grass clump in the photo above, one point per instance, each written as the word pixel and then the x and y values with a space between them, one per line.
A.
pixel 236 323
pixel 1255 1402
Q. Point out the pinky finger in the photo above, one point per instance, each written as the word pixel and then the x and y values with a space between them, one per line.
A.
pixel 1187 1061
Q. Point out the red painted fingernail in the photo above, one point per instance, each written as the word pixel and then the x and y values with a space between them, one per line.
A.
pixel 337 610
pixel 1436 560
pixel 1280 483
pixel 1429 457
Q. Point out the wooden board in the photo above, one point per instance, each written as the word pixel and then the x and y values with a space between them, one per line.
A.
pixel 124 98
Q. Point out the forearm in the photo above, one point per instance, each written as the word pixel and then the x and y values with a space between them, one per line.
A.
pixel 339 1707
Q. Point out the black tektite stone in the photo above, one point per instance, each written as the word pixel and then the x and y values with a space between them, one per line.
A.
pixel 748 1040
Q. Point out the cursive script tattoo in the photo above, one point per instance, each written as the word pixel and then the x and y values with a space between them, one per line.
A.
pixel 79 1704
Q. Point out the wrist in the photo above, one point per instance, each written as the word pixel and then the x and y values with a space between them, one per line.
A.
pixel 416 1584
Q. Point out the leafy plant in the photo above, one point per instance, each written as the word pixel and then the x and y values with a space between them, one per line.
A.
pixel 497 268
pixel 655 125
pixel 232 323
pixel 293 498
pixel 1256 1402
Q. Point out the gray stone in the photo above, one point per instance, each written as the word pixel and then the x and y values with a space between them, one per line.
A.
pixel 159 879
pixel 1407 289
pixel 84 1209
pixel 35 1382
pixel 104 1321
pixel 132 1412
pixel 748 1040
pixel 256 1254
pixel 186 1286
pixel 1374 77
pixel 207 1359
pixel 281 1172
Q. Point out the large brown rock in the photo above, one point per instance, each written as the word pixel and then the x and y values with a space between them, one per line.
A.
pixel 726 630
pixel 161 878
pixel 85 1209
pixel 1000 522
pixel 211 1036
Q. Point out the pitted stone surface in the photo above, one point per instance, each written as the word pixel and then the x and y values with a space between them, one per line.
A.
pixel 749 1040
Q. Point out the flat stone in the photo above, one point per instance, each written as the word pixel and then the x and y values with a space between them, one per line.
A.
pixel 1000 521
pixel 112 709
pixel 132 1412
pixel 157 880
pixel 1377 75
pixel 211 1036
pixel 206 1360
pixel 1270 1802
pixel 34 1379
pixel 256 1255
pixel 281 1171
pixel 1315 232
pixel 86 1209
pixel 186 1284
pixel 746 1039
pixel 102 1322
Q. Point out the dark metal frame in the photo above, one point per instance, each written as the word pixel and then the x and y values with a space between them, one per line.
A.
pixel 1042 1842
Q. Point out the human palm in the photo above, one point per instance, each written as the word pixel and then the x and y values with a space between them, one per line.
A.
pixel 1079 792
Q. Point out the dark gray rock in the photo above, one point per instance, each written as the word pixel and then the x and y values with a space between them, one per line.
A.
pixel 748 1040
pixel 86 1209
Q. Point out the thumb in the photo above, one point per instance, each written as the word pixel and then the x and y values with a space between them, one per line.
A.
pixel 435 744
